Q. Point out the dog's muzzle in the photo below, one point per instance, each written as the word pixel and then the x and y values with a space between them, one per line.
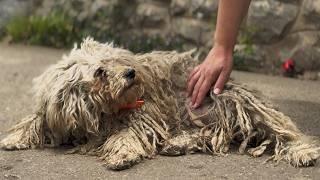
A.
pixel 130 74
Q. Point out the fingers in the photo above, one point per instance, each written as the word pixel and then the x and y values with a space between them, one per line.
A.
pixel 192 82
pixel 196 89
pixel 204 88
pixel 193 72
pixel 204 84
pixel 221 81
pixel 202 93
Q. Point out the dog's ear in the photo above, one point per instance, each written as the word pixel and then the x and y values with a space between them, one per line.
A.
pixel 75 104
pixel 54 80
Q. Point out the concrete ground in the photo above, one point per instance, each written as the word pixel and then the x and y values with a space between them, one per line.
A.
pixel 19 64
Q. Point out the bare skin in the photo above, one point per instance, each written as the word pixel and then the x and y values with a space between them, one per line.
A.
pixel 217 66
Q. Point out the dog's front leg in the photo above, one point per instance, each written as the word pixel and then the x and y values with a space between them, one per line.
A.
pixel 123 149
pixel 26 134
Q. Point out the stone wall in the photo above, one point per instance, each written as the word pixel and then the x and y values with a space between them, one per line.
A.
pixel 284 29
pixel 274 30
pixel 188 23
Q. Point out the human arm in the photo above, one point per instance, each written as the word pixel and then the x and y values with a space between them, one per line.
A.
pixel 217 66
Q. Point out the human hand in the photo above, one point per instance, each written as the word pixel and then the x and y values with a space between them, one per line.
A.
pixel 214 70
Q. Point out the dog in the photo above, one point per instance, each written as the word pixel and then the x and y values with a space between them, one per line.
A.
pixel 88 100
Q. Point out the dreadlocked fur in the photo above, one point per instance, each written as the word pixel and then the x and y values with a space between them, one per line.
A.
pixel 79 100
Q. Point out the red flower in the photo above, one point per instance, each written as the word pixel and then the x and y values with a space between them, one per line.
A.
pixel 288 66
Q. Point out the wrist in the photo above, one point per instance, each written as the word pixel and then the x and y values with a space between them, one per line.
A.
pixel 224 47
pixel 224 43
pixel 225 52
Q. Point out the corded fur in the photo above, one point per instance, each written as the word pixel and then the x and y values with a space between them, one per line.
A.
pixel 79 99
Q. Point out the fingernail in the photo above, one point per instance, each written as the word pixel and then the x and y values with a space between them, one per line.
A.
pixel 216 91
pixel 195 105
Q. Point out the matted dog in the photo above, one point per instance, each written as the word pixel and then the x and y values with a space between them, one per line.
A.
pixel 87 100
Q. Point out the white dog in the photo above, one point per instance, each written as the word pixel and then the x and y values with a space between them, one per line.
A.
pixel 89 100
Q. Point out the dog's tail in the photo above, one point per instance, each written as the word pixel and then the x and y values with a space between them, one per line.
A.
pixel 28 133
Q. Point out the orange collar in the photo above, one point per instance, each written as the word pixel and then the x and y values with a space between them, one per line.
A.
pixel 135 105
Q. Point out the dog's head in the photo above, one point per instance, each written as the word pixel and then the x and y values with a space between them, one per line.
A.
pixel 116 82
pixel 92 79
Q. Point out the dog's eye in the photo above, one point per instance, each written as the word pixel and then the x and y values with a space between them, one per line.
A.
pixel 100 73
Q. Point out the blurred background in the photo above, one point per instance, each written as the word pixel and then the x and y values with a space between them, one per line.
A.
pixel 278 37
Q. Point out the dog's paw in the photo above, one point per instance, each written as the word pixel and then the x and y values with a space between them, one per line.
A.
pixel 10 146
pixel 123 161
pixel 14 142
pixel 174 150
pixel 181 145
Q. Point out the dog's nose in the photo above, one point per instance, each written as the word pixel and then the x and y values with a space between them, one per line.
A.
pixel 131 73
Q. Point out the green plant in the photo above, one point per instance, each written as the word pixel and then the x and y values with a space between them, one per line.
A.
pixel 18 28
pixel 246 38
pixel 247 34
pixel 241 57
pixel 213 20
pixel 239 62
pixel 2 34
pixel 55 30
pixel 109 24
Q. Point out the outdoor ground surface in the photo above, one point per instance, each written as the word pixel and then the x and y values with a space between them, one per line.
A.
pixel 20 64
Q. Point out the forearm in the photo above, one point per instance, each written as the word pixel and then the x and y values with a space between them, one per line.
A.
pixel 215 70
pixel 230 16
